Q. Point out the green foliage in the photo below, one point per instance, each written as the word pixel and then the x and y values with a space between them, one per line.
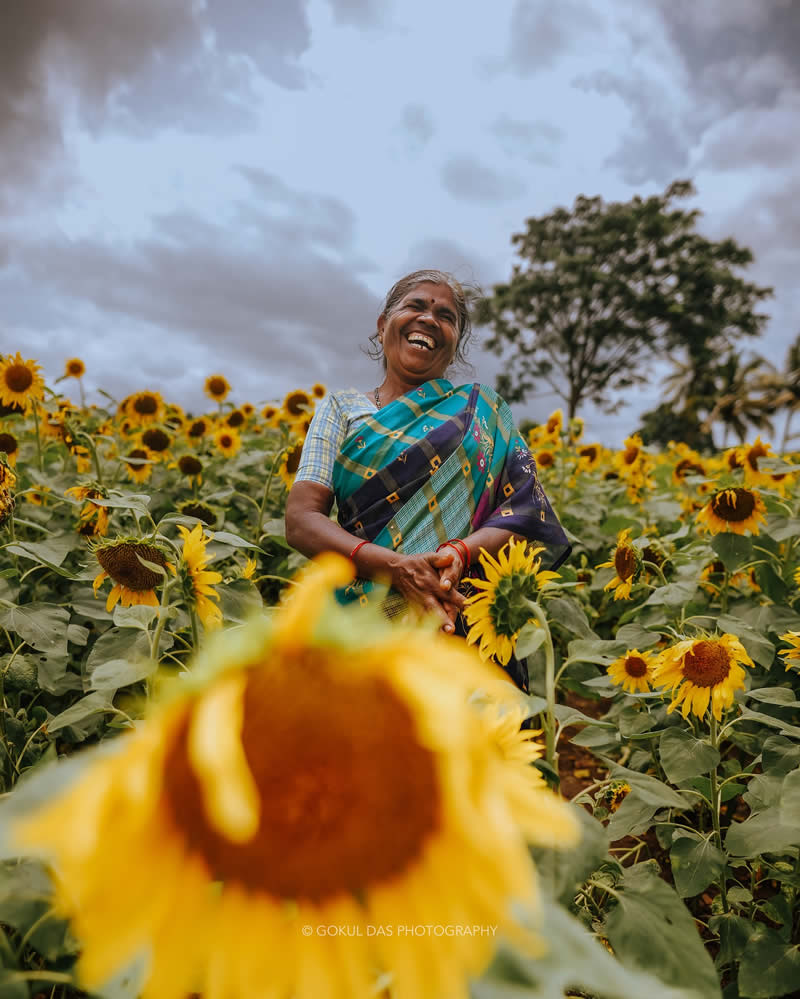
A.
pixel 603 289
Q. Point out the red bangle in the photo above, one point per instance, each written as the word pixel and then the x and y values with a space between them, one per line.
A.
pixel 463 555
pixel 359 545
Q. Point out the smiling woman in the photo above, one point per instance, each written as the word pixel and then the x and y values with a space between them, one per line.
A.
pixel 425 474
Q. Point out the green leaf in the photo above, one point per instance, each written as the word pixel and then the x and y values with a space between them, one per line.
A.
pixel 673 594
pixel 87 707
pixel 529 639
pixel 784 727
pixel 651 928
pixel 782 528
pixel 757 646
pixel 768 968
pixel 50 553
pixel 597 650
pixel 779 755
pixel 116 673
pixel 226 538
pixel 648 788
pixel 25 901
pixel 762 833
pixel 633 816
pixel 568 612
pixel 119 643
pixel 42 625
pixel 561 871
pixel 695 862
pixel 683 756
pixel 734 933
pixel 734 550
pixel 240 600
pixel 636 637
pixel 772 695
pixel 139 616
pixel 790 799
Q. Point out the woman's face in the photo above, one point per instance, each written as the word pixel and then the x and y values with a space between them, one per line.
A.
pixel 420 334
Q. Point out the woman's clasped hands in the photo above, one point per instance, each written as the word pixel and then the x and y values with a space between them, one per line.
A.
pixel 430 581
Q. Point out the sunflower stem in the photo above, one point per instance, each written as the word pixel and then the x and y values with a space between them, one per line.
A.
pixel 36 431
pixel 261 509
pixel 723 594
pixel 549 688
pixel 95 458
pixel 193 619
pixel 656 568
pixel 715 807
pixel 162 620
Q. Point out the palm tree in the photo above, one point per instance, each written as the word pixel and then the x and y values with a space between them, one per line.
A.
pixel 738 405
pixel 784 388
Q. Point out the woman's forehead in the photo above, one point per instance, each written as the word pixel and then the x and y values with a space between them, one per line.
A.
pixel 431 291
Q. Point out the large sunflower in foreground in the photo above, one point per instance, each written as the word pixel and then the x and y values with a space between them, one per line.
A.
pixel 735 509
pixel 626 561
pixel 633 671
pixel 702 671
pixel 200 581
pixel 123 561
pixel 20 382
pixel 501 608
pixel 310 772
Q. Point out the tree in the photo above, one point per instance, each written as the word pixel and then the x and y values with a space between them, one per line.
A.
pixel 664 424
pixel 603 290
pixel 782 390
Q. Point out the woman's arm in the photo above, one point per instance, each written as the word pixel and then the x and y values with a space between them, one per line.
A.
pixel 491 539
pixel 310 530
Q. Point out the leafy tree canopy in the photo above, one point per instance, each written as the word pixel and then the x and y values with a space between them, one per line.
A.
pixel 603 290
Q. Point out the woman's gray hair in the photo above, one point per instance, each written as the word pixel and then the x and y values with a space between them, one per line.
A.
pixel 461 297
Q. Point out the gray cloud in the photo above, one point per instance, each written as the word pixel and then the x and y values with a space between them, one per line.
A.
pixel 359 13
pixel 534 141
pixel 755 137
pixel 467 179
pixel 541 31
pixel 416 122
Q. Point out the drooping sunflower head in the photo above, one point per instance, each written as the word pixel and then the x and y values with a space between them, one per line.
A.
pixel 626 562
pixel 74 368
pixel 93 518
pixel 217 387
pixel 501 608
pixel 20 382
pixel 290 463
pixel 228 441
pixel 633 671
pixel 7 504
pixel 297 404
pixel 303 776
pixel 736 509
pixel 9 446
pixel 145 409
pixel 702 671
pixel 134 567
pixel 7 477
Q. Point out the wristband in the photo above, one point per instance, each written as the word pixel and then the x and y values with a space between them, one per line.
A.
pixel 462 554
pixel 355 550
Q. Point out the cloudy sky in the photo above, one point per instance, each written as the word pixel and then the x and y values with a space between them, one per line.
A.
pixel 199 186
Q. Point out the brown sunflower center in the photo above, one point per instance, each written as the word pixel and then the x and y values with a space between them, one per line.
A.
pixel 19 377
pixel 136 458
pixel 189 465
pixel 754 453
pixel 235 419
pixel 146 404
pixel 733 504
pixel 197 429
pixel 706 664
pixel 544 459
pixel 635 666
pixel 75 367
pixel 552 425
pixel 121 562
pixel 8 444
pixel 630 454
pixel 201 511
pixel 625 561
pixel 688 467
pixel 348 795
pixel 156 439
pixel 296 403
pixel 226 440
pixel 217 385
pixel 293 459
pixel 590 452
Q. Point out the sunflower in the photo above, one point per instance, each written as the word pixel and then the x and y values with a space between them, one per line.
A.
pixel 749 456
pixel 199 580
pixel 122 561
pixel 702 670
pixel 290 463
pixel 631 456
pixel 144 409
pixel 217 387
pixel 20 382
pixel 157 442
pixel 791 657
pixel 7 504
pixel 627 563
pixel 200 511
pixel 8 478
pixel 612 796
pixel 74 368
pixel 174 417
pixel 138 465
pixel 248 409
pixel 589 457
pixel 197 429
pixel 575 429
pixel 37 496
pixel 301 778
pixel 689 464
pixel 632 671
pixel 191 466
pixel 235 419
pixel 227 441
pixel 9 446
pixel 93 519
pixel 552 428
pixel 297 404
pixel 249 568
pixel 500 610
pixel 735 509
pixel 270 414
pixel 318 390
pixel 545 458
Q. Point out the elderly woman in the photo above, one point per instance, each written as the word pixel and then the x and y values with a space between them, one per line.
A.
pixel 424 473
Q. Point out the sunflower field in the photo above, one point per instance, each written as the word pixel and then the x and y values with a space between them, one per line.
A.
pixel 179 695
